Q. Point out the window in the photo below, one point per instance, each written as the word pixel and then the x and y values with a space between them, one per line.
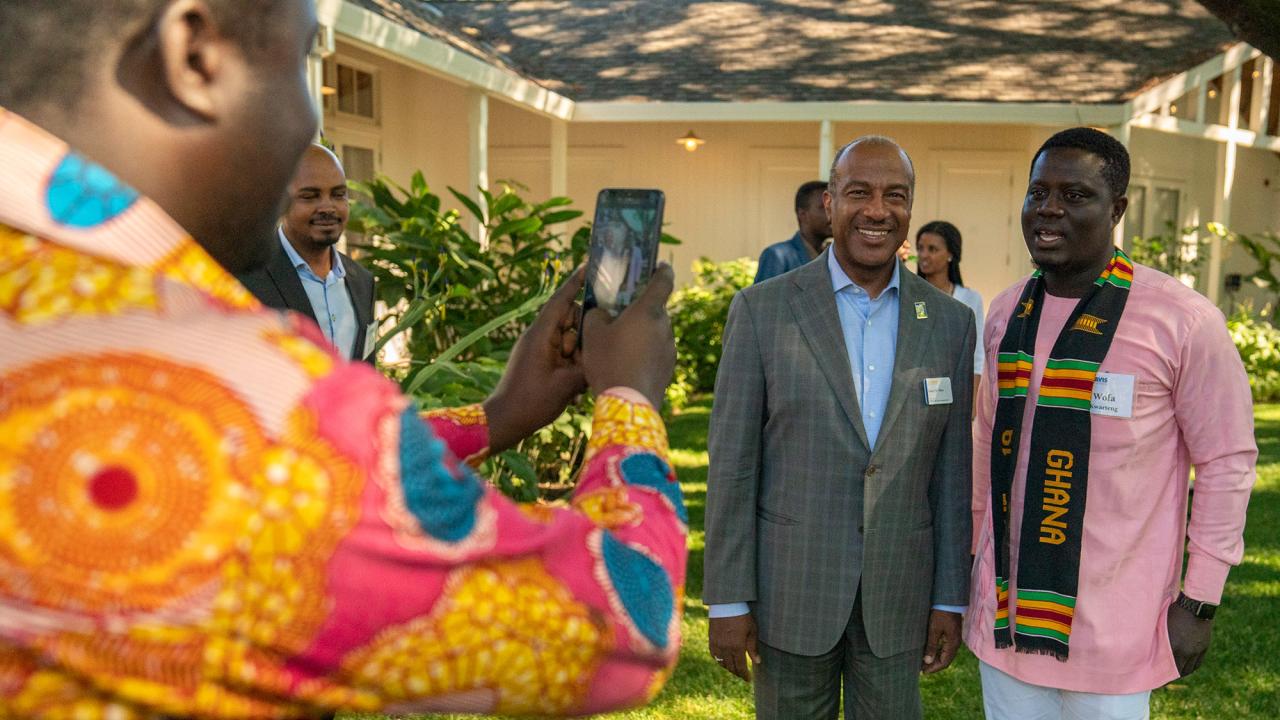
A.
pixel 354 90
pixel 1154 209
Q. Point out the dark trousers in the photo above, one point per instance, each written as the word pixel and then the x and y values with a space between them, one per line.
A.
pixel 799 687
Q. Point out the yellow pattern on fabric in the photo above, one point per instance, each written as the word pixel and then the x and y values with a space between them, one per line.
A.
pixel 510 630
pixel 609 507
pixel 621 422
pixel 191 265
pixel 467 416
pixel 177 550
pixel 314 361
pixel 40 282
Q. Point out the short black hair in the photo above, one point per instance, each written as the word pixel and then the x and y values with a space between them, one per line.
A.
pixel 1115 158
pixel 50 48
pixel 881 140
pixel 807 191
pixel 950 235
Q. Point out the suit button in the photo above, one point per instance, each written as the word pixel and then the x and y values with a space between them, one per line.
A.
pixel 859 529
pixel 872 470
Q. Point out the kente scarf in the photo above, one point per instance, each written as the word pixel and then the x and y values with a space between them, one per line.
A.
pixel 1058 467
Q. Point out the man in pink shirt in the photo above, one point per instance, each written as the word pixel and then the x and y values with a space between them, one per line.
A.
pixel 1114 381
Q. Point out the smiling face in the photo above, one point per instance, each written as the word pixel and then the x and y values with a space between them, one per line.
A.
pixel 1068 218
pixel 870 209
pixel 318 205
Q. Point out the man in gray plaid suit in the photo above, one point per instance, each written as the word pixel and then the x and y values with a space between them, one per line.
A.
pixel 837 521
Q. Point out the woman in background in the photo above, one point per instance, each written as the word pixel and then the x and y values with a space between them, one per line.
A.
pixel 938 261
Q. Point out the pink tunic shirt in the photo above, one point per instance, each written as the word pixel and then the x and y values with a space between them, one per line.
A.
pixel 1191 407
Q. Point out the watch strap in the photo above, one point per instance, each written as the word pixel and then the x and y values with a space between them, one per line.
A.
pixel 1202 610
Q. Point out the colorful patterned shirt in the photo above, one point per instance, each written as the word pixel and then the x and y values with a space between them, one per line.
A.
pixel 205 512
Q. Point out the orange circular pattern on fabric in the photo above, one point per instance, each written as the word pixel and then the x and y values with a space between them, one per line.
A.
pixel 123 482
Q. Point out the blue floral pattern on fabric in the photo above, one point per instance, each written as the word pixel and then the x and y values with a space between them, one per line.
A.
pixel 642 586
pixel 444 504
pixel 83 194
pixel 648 470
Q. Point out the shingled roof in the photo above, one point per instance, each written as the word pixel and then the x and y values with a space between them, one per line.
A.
pixel 1082 51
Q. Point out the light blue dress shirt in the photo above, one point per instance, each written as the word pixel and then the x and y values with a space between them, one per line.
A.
pixel 329 298
pixel 871 339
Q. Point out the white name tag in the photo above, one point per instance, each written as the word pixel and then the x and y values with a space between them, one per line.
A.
pixel 1112 395
pixel 370 339
pixel 937 391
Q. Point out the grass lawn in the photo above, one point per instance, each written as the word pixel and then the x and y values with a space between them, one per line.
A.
pixel 1239 679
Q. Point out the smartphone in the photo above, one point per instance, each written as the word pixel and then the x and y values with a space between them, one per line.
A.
pixel 624 247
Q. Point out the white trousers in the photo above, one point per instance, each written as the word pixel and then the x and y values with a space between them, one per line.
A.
pixel 1005 697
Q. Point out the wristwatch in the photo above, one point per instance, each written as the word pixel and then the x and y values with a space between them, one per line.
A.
pixel 1202 610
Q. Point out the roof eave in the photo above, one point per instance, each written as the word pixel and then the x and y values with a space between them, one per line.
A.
pixel 384 37
pixel 981 113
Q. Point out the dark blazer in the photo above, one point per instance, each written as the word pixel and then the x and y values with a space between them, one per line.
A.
pixel 801 511
pixel 277 285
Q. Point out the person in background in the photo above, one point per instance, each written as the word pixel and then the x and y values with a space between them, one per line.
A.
pixel 1112 381
pixel 938 248
pixel 308 274
pixel 814 229
pixel 207 512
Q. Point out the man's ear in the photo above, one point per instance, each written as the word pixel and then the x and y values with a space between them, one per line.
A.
pixel 1118 206
pixel 194 53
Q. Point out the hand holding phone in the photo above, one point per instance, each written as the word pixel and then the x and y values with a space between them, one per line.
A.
pixel 624 247
pixel 637 348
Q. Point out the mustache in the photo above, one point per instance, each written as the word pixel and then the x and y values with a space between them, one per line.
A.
pixel 326 216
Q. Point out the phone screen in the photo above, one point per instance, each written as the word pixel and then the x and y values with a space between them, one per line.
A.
pixel 624 247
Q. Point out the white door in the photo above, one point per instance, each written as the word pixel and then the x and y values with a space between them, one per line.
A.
pixel 776 173
pixel 980 192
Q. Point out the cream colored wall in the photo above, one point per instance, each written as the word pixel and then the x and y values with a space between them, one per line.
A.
pixel 1255 210
pixel 720 197
pixel 422 123
pixel 1255 204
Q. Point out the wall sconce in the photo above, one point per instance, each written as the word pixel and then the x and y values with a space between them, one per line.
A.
pixel 1213 93
pixel 690 141
pixel 328 90
pixel 1173 109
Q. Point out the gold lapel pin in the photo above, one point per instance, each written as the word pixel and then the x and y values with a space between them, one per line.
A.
pixel 921 312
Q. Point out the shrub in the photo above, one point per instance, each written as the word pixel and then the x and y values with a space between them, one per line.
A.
pixel 457 306
pixel 1258 341
pixel 1177 253
pixel 698 314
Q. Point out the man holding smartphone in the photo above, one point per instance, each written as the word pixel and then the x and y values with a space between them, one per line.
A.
pixel 837 521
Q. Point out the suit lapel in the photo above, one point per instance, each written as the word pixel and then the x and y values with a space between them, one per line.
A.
pixel 913 335
pixel 814 308
pixel 360 291
pixel 286 280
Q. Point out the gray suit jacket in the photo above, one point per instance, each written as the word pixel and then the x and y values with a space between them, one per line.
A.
pixel 800 509
pixel 277 285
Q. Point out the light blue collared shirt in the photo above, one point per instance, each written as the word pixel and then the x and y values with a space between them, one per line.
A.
pixel 329 298
pixel 871 340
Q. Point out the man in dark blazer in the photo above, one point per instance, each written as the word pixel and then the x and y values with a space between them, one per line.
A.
pixel 307 273
pixel 837 520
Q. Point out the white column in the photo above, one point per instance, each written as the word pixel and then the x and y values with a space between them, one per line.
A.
pixel 478 158
pixel 1124 133
pixel 1262 94
pixel 1226 177
pixel 321 50
pixel 559 158
pixel 826 150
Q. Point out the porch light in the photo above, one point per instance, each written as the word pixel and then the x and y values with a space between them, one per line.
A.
pixel 328 90
pixel 1213 93
pixel 690 141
